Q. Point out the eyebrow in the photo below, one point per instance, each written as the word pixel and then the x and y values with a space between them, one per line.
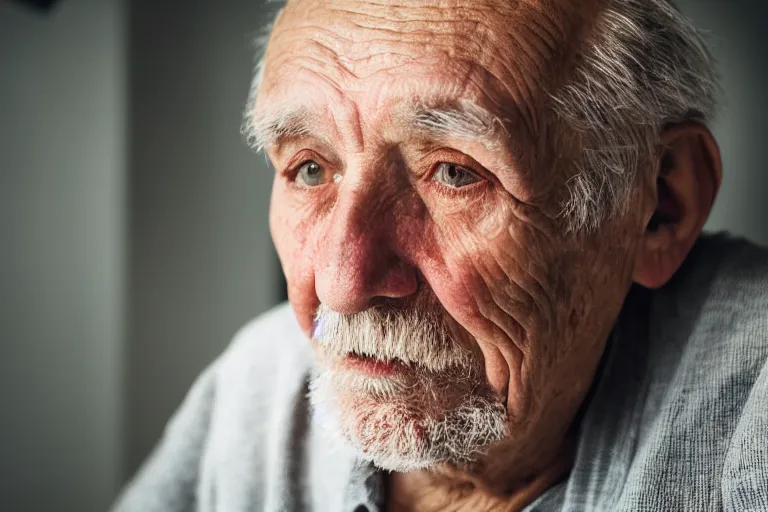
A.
pixel 463 120
pixel 266 129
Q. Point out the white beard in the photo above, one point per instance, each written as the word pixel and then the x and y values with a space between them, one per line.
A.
pixel 439 411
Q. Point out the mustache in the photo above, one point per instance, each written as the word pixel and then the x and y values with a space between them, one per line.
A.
pixel 415 331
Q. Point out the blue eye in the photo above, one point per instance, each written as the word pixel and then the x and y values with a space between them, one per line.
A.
pixel 454 176
pixel 310 174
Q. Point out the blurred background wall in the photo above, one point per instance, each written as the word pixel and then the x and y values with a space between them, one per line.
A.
pixel 738 38
pixel 201 262
pixel 63 220
pixel 133 230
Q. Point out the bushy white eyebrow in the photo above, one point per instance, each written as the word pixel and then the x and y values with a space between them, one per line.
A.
pixel 266 129
pixel 464 120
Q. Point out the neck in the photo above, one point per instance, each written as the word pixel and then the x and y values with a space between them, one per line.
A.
pixel 451 489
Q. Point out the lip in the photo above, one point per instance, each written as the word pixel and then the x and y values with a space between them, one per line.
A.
pixel 373 367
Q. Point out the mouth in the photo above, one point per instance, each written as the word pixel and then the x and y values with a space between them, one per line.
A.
pixel 372 367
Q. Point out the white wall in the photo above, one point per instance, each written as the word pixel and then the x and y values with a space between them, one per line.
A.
pixel 62 99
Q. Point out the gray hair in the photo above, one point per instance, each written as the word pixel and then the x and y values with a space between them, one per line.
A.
pixel 643 67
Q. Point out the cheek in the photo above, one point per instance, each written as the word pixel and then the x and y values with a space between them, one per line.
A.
pixel 290 234
pixel 501 278
pixel 492 275
pixel 282 224
pixel 456 264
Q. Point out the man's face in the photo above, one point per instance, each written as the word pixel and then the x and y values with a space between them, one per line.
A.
pixel 415 212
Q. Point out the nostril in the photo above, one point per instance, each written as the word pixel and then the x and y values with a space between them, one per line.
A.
pixel 354 285
pixel 355 264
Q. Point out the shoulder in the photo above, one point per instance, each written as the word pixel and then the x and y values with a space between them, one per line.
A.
pixel 733 316
pixel 745 472
pixel 738 300
pixel 742 271
pixel 730 270
pixel 214 452
pixel 274 333
pixel 259 415
pixel 717 313
pixel 723 293
pixel 269 350
pixel 699 363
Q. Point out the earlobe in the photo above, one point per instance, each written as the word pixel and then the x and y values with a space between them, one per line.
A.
pixel 688 175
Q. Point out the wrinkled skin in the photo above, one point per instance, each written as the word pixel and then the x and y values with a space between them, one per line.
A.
pixel 537 301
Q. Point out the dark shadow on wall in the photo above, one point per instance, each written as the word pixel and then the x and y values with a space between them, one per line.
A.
pixel 201 261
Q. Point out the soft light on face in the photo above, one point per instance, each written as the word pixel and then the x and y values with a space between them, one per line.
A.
pixel 415 212
pixel 399 386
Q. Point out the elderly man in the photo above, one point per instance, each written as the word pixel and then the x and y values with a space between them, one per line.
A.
pixel 489 216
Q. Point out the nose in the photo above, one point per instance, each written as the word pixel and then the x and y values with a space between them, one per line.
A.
pixel 359 259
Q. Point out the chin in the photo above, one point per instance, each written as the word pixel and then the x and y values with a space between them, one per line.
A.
pixel 403 418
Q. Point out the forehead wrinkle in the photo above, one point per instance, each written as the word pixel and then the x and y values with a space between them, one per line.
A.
pixel 359 39
pixel 419 14
pixel 541 35
pixel 546 35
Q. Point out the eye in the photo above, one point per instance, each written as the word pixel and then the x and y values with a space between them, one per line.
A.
pixel 310 174
pixel 454 176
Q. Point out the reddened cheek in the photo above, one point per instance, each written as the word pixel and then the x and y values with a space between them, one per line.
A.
pixel 502 359
pixel 457 269
pixel 299 276
pixel 462 291
pixel 304 302
pixel 296 255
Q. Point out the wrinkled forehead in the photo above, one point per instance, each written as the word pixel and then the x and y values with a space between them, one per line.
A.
pixel 503 54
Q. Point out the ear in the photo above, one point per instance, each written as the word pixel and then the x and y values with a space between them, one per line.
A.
pixel 688 176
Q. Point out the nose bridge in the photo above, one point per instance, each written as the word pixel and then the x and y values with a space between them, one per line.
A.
pixel 357 237
pixel 367 201
pixel 357 258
